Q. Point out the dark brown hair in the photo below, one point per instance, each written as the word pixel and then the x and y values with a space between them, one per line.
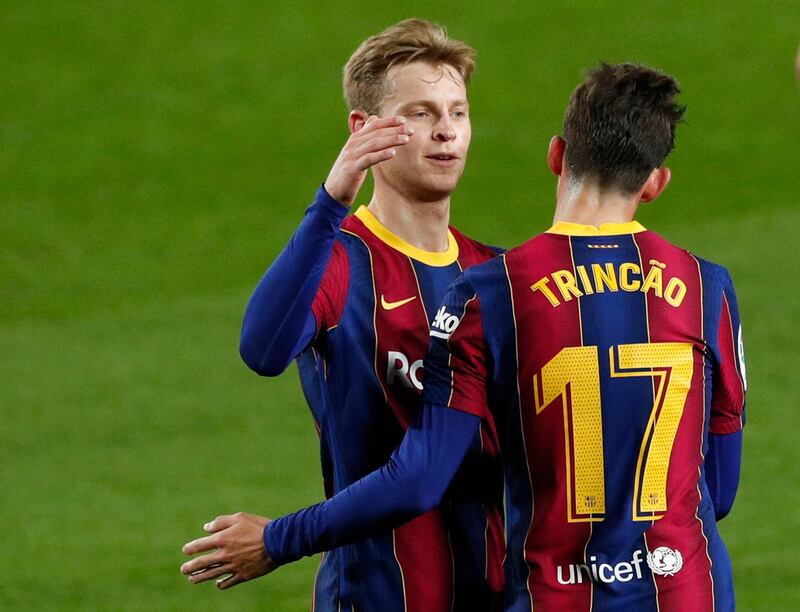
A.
pixel 620 125
pixel 408 41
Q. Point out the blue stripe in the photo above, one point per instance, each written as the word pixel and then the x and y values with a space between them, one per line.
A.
pixel 611 318
pixel 433 282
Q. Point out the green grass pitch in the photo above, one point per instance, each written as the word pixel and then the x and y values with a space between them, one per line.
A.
pixel 155 157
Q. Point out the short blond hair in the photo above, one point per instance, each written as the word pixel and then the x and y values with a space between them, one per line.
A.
pixel 411 40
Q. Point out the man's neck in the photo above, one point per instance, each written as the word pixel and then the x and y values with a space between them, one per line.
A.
pixel 420 223
pixel 589 205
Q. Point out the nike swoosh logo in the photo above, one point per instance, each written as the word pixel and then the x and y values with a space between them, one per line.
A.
pixel 392 305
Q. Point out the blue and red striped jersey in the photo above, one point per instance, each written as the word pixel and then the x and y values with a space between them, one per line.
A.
pixel 599 359
pixel 362 377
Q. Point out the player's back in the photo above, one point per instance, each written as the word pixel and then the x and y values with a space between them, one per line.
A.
pixel 605 346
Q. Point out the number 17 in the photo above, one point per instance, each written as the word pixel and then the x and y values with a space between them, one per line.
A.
pixel 574 376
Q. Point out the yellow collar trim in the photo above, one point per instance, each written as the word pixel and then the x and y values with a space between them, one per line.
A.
pixel 393 240
pixel 565 228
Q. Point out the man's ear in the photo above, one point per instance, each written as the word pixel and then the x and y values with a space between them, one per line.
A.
pixel 356 120
pixel 655 184
pixel 555 155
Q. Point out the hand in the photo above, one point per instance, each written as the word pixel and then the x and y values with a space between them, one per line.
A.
pixel 237 551
pixel 376 141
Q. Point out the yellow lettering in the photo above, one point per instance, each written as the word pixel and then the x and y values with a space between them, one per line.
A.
pixel 587 284
pixel 625 270
pixel 566 284
pixel 654 281
pixel 607 277
pixel 541 285
pixel 675 292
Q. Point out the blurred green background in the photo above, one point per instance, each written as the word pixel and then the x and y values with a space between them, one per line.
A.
pixel 155 157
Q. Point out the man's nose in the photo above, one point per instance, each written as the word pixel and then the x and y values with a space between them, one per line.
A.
pixel 443 130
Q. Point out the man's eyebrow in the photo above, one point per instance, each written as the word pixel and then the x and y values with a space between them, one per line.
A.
pixel 431 103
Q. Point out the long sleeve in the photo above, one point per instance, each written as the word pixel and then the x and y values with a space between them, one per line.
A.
pixel 279 321
pixel 411 483
pixel 729 383
pixel 722 468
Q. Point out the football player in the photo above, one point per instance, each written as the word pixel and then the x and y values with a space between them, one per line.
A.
pixel 352 298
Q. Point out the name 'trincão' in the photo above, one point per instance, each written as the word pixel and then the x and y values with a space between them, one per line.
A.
pixel 598 278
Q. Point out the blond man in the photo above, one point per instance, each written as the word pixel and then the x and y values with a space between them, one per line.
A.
pixel 351 298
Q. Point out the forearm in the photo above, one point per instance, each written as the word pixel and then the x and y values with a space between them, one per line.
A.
pixel 722 467
pixel 278 322
pixel 413 482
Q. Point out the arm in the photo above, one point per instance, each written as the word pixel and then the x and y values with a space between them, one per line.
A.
pixel 724 454
pixel 412 482
pixel 723 463
pixel 279 322
pixel 419 472
pixel 433 448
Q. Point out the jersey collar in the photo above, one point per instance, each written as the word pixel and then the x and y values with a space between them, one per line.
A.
pixel 391 239
pixel 566 228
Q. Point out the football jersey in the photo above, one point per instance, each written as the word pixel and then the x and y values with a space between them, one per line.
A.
pixel 599 360
pixel 362 378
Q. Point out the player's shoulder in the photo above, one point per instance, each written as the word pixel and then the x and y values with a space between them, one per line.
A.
pixel 711 272
pixel 355 235
pixel 536 247
pixel 352 225
pixel 714 274
pixel 493 273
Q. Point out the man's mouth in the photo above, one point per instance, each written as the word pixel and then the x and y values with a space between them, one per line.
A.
pixel 442 159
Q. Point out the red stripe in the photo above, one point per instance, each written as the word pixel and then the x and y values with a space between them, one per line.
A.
pixel 495 531
pixel 728 400
pixel 330 299
pixel 542 331
pixel 468 363
pixel 680 528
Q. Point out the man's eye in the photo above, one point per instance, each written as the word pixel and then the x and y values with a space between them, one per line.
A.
pixel 459 113
pixel 419 114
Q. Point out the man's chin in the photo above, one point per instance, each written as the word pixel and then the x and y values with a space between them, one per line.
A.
pixel 444 183
pixel 437 191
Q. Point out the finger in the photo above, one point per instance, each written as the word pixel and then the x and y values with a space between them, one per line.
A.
pixel 359 138
pixel 367 161
pixel 201 545
pixel 220 523
pixel 200 564
pixel 378 144
pixel 229 581
pixel 210 573
pixel 375 123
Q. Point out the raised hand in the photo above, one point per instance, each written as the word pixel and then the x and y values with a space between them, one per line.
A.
pixel 376 141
